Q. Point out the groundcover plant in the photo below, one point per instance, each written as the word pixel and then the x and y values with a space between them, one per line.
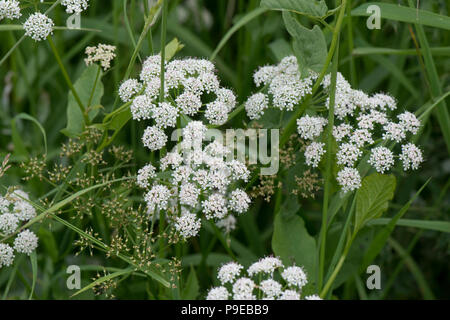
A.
pixel 227 149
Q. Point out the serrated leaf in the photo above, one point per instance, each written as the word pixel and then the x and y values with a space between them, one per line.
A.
pixel 309 45
pixel 373 197
pixel 89 88
pixel 316 8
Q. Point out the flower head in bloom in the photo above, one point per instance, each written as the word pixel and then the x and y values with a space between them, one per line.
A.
pixel 349 179
pixel 266 279
pixel 26 242
pixel 229 272
pixel 8 223
pixel 295 276
pixel 145 174
pixel 289 295
pixel 411 156
pixel 265 265
pixel 314 153
pixel 38 26
pixel 218 293
pixel 194 177
pixel 6 255
pixel 256 105
pixel 363 123
pixel 128 89
pixel 284 87
pixel 310 127
pixel 102 53
pixel 75 6
pixel 382 159
pixel 154 138
pixel 158 197
pixel 188 225
pixel 9 9
pixel 243 289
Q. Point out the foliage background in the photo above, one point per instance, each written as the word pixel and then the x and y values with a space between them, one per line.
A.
pixel 30 82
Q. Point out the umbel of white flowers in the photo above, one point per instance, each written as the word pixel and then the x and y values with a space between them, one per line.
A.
pixel 260 282
pixel 195 181
pixel 364 124
pixel 38 26
pixel 15 210
pixel 189 85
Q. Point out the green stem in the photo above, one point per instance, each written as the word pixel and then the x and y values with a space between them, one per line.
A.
pixel 68 81
pixel 163 48
pixel 338 267
pixel 291 125
pixel 323 231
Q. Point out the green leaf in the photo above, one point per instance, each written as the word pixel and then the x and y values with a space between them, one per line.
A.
pixel 172 48
pixel 309 45
pixel 34 269
pixel 404 14
pixel 415 270
pixel 90 90
pixel 280 48
pixel 382 236
pixel 436 51
pixel 103 279
pixel 441 226
pixel 191 290
pixel 292 242
pixel 315 8
pixel 373 197
pixel 47 239
pixel 26 116
pixel 242 22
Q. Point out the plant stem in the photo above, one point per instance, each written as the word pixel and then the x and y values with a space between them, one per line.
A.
pixel 338 267
pixel 323 231
pixel 291 125
pixel 163 48
pixel 68 81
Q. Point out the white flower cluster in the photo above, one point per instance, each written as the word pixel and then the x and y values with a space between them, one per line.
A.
pixel 38 26
pixel 75 6
pixel 14 210
pixel 195 179
pixel 189 85
pixel 266 279
pixel 9 9
pixel 360 121
pixel 102 53
pixel 283 86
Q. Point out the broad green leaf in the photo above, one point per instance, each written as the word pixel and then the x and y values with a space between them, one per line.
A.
pixel 372 197
pixel 191 290
pixel 309 45
pixel 404 14
pixel 292 242
pixel 280 49
pixel 315 8
pixel 90 90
